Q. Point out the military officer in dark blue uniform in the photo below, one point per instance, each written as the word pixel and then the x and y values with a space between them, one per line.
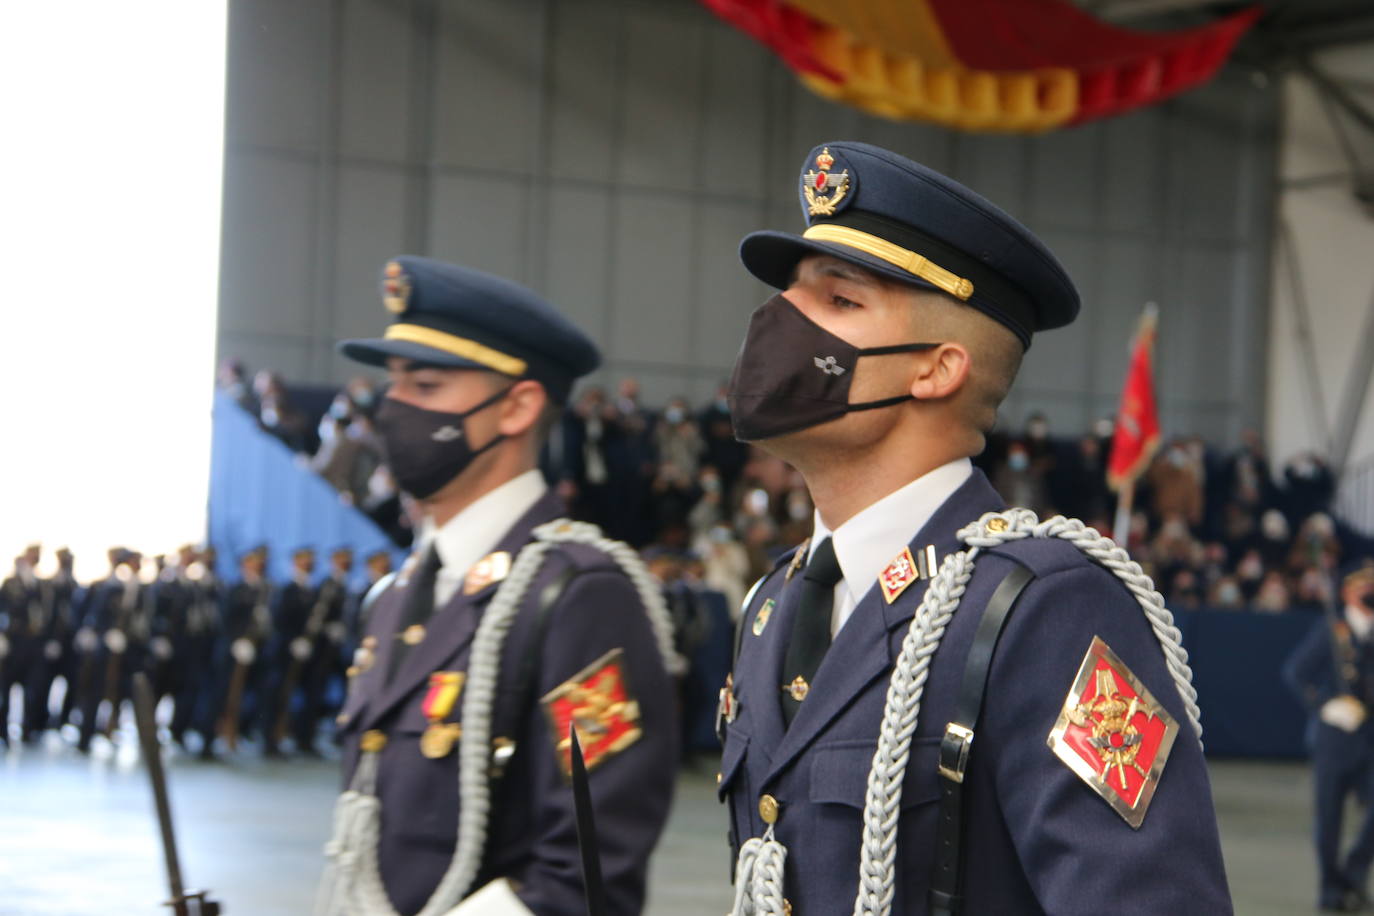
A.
pixel 288 653
pixel 505 627
pixel 874 653
pixel 246 630
pixel 118 626
pixel 25 615
pixel 68 597
pixel 1332 672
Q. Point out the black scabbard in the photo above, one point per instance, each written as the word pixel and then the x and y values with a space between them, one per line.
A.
pixel 586 830
pixel 152 757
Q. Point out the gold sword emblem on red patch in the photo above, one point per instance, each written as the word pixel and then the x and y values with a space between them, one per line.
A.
pixel 1113 734
pixel 900 573
pixel 598 702
pixel 494 567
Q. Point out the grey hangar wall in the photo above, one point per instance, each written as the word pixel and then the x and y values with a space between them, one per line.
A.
pixel 611 153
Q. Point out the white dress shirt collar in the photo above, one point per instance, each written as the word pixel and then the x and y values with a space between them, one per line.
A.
pixel 474 532
pixel 871 539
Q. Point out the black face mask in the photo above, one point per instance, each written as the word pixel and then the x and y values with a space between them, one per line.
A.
pixel 793 374
pixel 427 448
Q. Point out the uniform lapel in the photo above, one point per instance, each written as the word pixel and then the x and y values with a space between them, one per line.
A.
pixel 862 650
pixel 451 627
pixel 758 673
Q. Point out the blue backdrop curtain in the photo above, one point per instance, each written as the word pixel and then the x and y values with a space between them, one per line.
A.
pixel 260 495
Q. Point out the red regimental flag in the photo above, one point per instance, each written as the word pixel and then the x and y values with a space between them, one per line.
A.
pixel 1137 422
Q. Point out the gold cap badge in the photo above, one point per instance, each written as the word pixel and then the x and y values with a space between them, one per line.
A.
pixel 822 188
pixel 395 288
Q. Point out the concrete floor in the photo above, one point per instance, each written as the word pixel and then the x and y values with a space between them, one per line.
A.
pixel 77 835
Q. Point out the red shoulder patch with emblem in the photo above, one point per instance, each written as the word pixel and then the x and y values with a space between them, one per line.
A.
pixel 1113 734
pixel 598 702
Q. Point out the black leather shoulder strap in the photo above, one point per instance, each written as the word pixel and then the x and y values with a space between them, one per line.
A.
pixel 509 721
pixel 946 897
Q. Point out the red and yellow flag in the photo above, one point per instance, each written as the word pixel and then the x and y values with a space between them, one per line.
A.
pixel 1137 421
pixel 984 65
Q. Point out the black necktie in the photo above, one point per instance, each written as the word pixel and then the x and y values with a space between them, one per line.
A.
pixel 419 607
pixel 811 627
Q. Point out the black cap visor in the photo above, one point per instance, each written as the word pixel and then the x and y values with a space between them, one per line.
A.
pixel 376 351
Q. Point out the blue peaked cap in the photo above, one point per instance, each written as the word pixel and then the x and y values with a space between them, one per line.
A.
pixel 457 317
pixel 908 223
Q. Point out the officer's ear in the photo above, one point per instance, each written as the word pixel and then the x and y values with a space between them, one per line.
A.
pixel 521 408
pixel 941 372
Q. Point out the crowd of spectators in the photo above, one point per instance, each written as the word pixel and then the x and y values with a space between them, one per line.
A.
pixel 1215 528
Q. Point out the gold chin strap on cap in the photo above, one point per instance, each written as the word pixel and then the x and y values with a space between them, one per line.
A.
pixel 913 263
pixel 458 346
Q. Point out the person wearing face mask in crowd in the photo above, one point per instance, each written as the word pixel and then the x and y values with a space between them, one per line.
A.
pixel 724 452
pixel 507 624
pixel 872 655
pixel 1332 674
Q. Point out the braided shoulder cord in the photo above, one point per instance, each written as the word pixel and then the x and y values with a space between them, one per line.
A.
pixel 757 893
pixel 357 876
pixel 882 805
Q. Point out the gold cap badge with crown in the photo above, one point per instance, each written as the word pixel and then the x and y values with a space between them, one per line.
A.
pixel 822 188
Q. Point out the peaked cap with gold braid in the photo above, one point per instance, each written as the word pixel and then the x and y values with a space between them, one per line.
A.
pixel 906 222
pixel 457 317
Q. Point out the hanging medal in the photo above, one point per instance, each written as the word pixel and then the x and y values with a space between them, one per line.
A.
pixel 444 689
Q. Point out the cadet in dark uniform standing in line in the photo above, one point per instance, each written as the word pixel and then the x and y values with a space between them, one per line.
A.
pixel 68 597
pixel 118 621
pixel 288 652
pixel 188 618
pixel 1332 672
pixel 871 657
pixel 25 609
pixel 505 626
pixel 247 629
pixel 326 664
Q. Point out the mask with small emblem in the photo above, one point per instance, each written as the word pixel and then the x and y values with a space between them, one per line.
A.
pixel 793 374
pixel 428 448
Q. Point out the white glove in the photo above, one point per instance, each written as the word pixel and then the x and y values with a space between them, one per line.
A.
pixel 86 639
pixel 162 648
pixel 116 641
pixel 300 648
pixel 1344 712
pixel 52 650
pixel 335 632
pixel 243 651
pixel 494 899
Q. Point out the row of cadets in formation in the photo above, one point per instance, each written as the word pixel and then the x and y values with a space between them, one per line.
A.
pixel 248 659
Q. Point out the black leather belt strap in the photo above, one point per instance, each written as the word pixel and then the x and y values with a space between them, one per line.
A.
pixel 512 724
pixel 945 896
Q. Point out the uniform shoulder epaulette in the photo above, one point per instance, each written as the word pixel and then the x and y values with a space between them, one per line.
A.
pixel 1043 556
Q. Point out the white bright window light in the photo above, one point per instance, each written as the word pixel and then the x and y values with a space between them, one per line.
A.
pixel 110 186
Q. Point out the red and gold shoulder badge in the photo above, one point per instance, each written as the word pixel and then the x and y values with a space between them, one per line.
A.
pixel 395 288
pixel 823 188
pixel 1113 734
pixel 597 701
pixel 492 568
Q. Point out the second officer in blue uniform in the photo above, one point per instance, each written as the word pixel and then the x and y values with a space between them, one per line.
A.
pixel 505 627
pixel 939 705
pixel 1332 673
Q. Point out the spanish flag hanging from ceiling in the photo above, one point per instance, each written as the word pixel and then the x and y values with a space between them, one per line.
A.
pixel 982 65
